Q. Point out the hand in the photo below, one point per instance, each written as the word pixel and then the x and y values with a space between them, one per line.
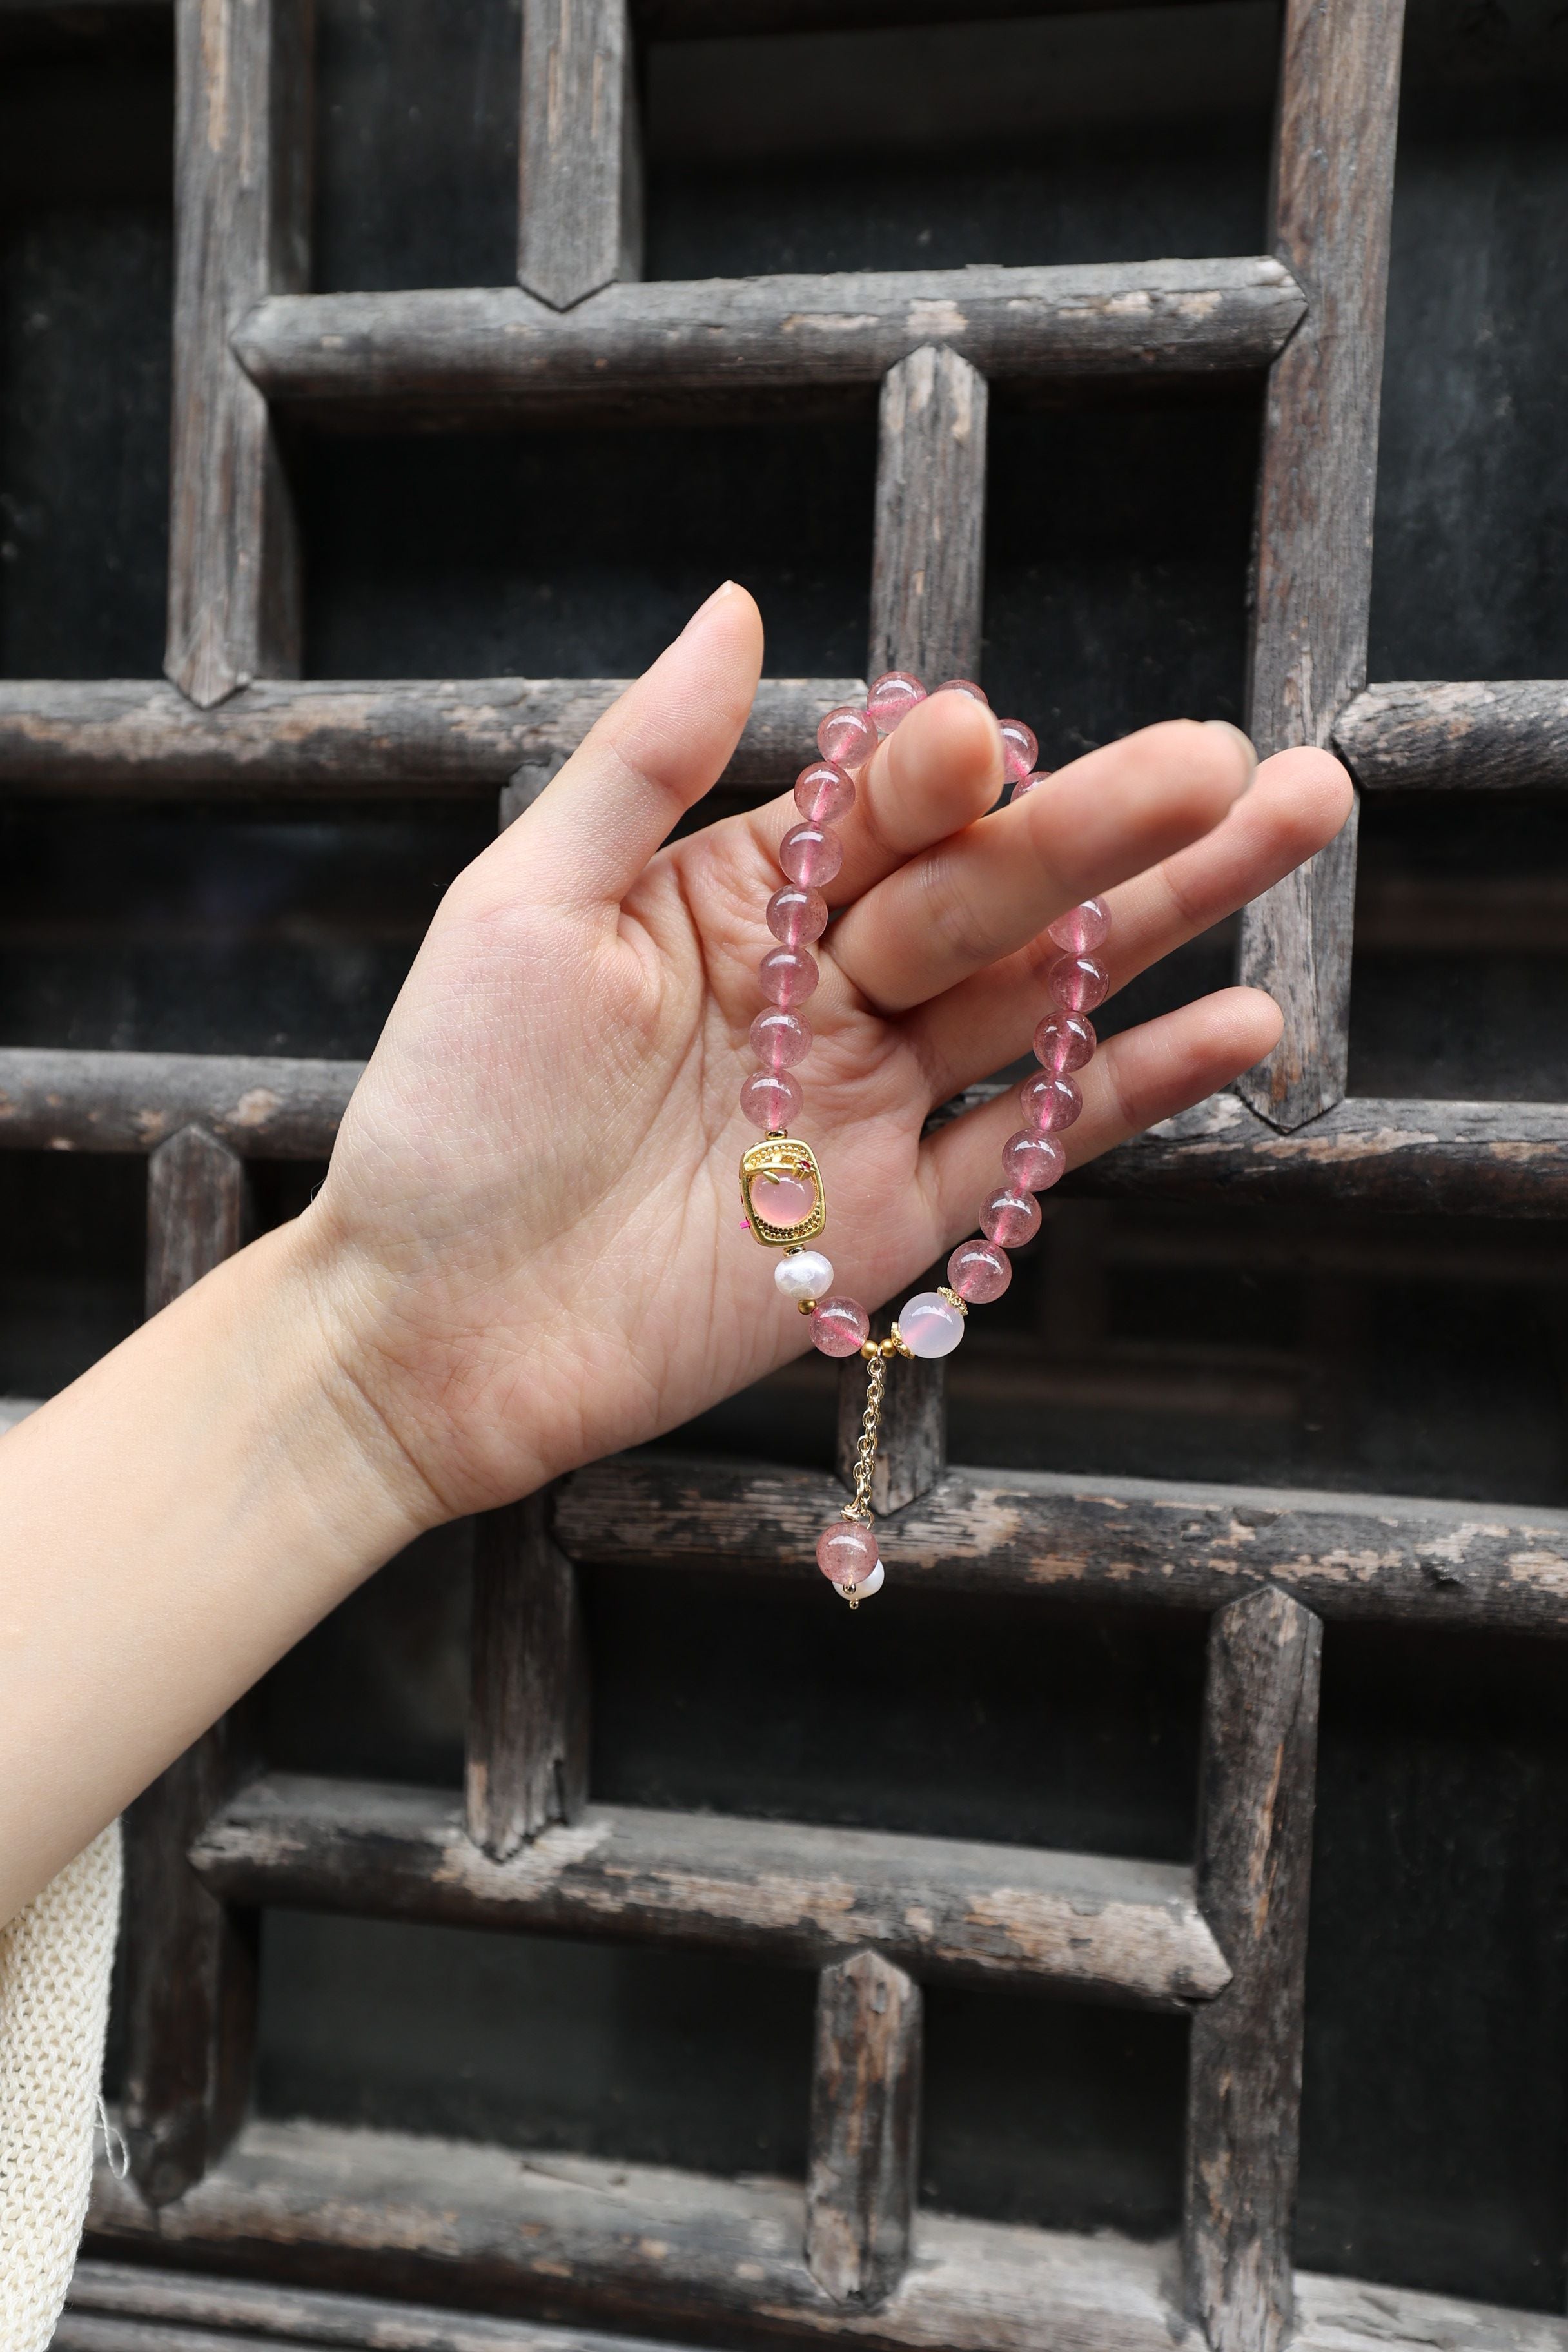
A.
pixel 529 1250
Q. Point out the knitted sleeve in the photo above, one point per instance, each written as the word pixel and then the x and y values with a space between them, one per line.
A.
pixel 54 1959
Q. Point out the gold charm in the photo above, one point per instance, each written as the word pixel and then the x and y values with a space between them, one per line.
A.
pixel 781 1191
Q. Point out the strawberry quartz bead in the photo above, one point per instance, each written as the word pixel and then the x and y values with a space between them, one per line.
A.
pixel 811 855
pixel 1078 983
pixel 963 686
pixel 1082 928
pixel 823 791
pixel 1049 1104
pixel 892 697
pixel 771 1098
pixel 846 736
pixel 979 1271
pixel 796 917
pixel 780 1040
pixel 1063 1042
pixel 846 1554
pixel 1027 783
pixel 840 1327
pixel 1010 1218
pixel 787 975
pixel 1033 1161
pixel 1018 750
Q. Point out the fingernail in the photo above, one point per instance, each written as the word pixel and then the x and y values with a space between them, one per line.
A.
pixel 1237 736
pixel 727 588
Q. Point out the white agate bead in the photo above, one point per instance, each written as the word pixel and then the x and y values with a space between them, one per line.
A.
pixel 805 1274
pixel 929 1325
pixel 873 1584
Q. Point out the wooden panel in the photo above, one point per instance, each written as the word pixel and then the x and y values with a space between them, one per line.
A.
pixel 528 1705
pixel 130 738
pixel 1254 1857
pixel 1333 192
pixel 779 1891
pixel 241 220
pixel 574 2238
pixel 1507 736
pixel 862 2172
pixel 1362 1557
pixel 580 166
pixel 927 573
pixel 189 1963
pixel 498 352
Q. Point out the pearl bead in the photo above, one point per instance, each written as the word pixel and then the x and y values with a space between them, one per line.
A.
pixel 846 1552
pixel 823 793
pixel 873 1584
pixel 796 917
pixel 1082 928
pixel 1010 1218
pixel 840 1327
pixel 804 1274
pixel 930 1325
pixel 1034 1161
pixel 892 697
pixel 1018 747
pixel 787 975
pixel 979 1271
pixel 811 853
pixel 1078 983
pixel 846 736
pixel 780 1040
pixel 771 1098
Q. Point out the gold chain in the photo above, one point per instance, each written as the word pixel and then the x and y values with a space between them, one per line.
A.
pixel 866 1451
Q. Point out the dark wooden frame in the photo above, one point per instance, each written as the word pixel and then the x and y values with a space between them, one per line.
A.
pixel 323 2215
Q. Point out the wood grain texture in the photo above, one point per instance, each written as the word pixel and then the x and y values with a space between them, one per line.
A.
pixel 783 1891
pixel 262 1107
pixel 528 1705
pixel 578 2240
pixel 928 559
pixel 1507 736
pixel 499 352
pixel 241 223
pixel 1366 1559
pixel 863 2164
pixel 1254 1858
pixel 1333 190
pixel 131 738
pixel 189 1963
pixel 579 162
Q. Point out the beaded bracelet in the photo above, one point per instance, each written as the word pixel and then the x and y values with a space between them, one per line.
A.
pixel 781 1183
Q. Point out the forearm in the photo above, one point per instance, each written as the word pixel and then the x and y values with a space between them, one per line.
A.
pixel 169 1525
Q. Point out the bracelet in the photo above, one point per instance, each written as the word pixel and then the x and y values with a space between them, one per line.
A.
pixel 781 1185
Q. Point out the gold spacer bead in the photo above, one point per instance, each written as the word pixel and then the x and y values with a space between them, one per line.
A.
pixel 795 1249
pixel 895 1344
pixel 953 1298
pixel 870 1348
pixel 805 1306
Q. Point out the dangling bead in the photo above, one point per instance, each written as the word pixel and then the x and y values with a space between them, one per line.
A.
pixel 1065 1042
pixel 979 1271
pixel 824 793
pixel 811 853
pixel 1078 983
pixel 1034 1161
pixel 847 1553
pixel 1082 928
pixel 1049 1103
pixel 892 697
pixel 787 975
pixel 796 917
pixel 780 1040
pixel 840 1327
pixel 771 1098
pixel 1018 749
pixel 846 736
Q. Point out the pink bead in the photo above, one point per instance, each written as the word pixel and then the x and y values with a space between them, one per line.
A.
pixel 1065 1042
pixel 1027 783
pixel 1010 1218
pixel 787 975
pixel 1018 747
pixel 780 1040
pixel 892 697
pixel 771 1098
pixel 783 1201
pixel 963 686
pixel 1082 928
pixel 1078 983
pixel 1034 1161
pixel 979 1271
pixel 840 1327
pixel 846 736
pixel 847 1553
pixel 811 853
pixel 1049 1103
pixel 796 917
pixel 823 791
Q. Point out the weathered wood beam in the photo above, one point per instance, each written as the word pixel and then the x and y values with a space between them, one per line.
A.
pixel 262 1107
pixel 1254 1858
pixel 242 80
pixel 189 1963
pixel 1362 1557
pixel 685 20
pixel 314 2208
pixel 928 560
pixel 1333 189
pixel 579 163
pixel 776 1890
pixel 862 2169
pixel 1509 735
pixel 340 740
pixel 497 350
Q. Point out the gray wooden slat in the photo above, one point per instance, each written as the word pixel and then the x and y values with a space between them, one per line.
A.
pixel 241 222
pixel 928 557
pixel 262 1107
pixel 189 1963
pixel 912 1451
pixel 579 163
pixel 799 1896
pixel 499 351
pixel 527 1761
pixel 1254 1857
pixel 1509 735
pixel 1332 195
pixel 863 2164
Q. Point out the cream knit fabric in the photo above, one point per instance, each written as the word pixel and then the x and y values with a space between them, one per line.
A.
pixel 55 1958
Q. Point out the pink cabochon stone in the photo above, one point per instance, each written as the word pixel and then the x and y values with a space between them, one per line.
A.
pixel 780 1039
pixel 979 1271
pixel 796 917
pixel 840 1327
pixel 963 686
pixel 1049 1104
pixel 783 1200
pixel 892 698
pixel 811 855
pixel 771 1098
pixel 1010 1218
pixel 1065 1042
pixel 823 791
pixel 846 736
pixel 1018 747
pixel 1082 928
pixel 1078 983
pixel 787 975
pixel 1034 1161
pixel 847 1553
